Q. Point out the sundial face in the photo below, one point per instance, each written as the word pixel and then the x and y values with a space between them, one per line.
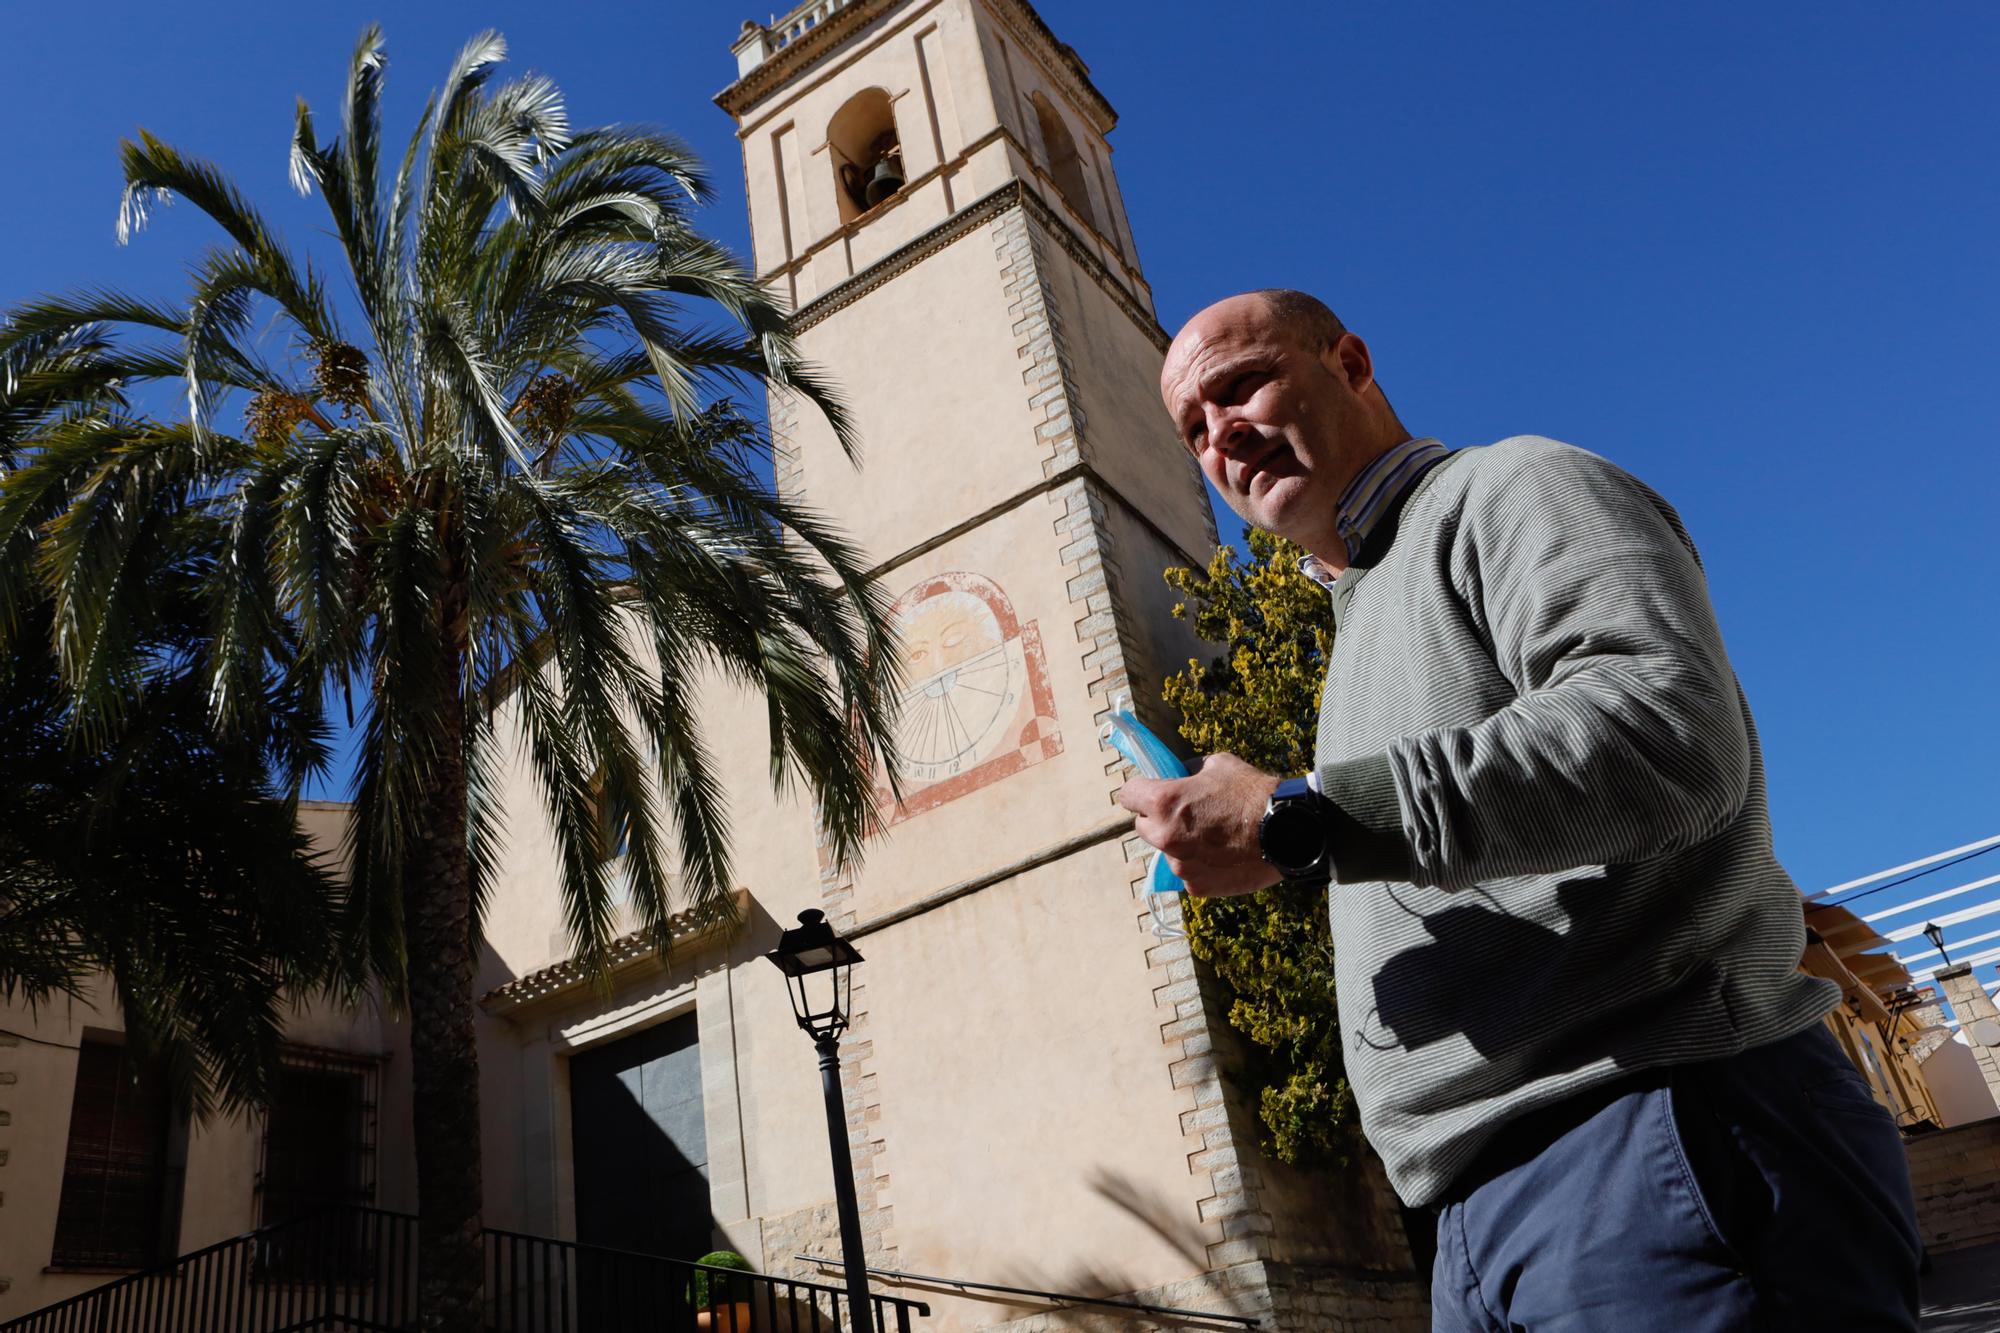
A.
pixel 968 676
pixel 977 705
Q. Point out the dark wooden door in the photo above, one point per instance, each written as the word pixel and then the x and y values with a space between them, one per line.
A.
pixel 640 1144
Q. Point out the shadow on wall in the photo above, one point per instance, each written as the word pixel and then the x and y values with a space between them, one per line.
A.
pixel 640 1143
pixel 1158 1215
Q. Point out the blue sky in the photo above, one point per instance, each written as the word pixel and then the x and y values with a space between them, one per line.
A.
pixel 1745 250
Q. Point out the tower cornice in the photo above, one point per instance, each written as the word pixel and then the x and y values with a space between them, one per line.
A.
pixel 1013 194
pixel 791 49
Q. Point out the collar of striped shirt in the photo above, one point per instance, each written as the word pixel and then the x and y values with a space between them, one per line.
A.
pixel 1371 495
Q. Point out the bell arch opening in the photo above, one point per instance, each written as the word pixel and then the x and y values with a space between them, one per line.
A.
pixel 1065 163
pixel 867 152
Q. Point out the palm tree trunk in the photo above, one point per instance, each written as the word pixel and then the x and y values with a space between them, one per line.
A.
pixel 444 1054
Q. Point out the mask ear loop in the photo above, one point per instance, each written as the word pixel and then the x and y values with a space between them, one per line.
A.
pixel 1139 747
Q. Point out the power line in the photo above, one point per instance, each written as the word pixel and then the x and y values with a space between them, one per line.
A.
pixel 1973 847
pixel 1979 850
pixel 1915 903
pixel 1948 919
pixel 1906 960
pixel 1976 960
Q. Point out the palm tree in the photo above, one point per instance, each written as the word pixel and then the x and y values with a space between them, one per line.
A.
pixel 145 847
pixel 160 859
pixel 507 472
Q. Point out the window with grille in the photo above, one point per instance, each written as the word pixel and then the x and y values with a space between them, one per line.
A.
pixel 119 1182
pixel 319 1136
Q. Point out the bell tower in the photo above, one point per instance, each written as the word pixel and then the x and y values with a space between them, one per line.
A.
pixel 931 189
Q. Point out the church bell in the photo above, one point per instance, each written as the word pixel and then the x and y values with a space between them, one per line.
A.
pixel 883 181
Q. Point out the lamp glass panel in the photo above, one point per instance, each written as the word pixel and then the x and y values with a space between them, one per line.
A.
pixel 821 1005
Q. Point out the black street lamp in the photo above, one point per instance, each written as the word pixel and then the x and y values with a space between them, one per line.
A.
pixel 804 955
pixel 1935 934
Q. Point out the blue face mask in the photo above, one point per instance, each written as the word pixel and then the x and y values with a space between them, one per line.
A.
pixel 1149 754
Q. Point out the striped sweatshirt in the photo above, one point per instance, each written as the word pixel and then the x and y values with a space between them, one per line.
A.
pixel 1552 852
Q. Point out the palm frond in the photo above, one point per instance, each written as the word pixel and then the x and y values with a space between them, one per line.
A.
pixel 458 370
pixel 620 157
pixel 361 140
pixel 319 536
pixel 485 810
pixel 244 609
pixel 347 173
pixel 95 554
pixel 60 315
pixel 155 170
pixel 469 72
pixel 218 313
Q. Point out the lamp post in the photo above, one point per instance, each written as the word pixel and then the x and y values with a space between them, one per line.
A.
pixel 1935 934
pixel 805 954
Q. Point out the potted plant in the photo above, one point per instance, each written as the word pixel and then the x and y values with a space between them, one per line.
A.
pixel 710 1292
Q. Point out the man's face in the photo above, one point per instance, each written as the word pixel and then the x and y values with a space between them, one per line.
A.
pixel 1277 427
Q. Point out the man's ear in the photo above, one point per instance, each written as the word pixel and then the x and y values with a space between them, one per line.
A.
pixel 1348 360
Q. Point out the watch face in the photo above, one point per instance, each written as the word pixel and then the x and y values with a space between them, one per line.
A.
pixel 1294 838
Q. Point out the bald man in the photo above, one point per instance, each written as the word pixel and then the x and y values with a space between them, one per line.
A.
pixel 1566 958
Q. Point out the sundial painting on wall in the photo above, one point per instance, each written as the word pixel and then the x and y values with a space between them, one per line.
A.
pixel 976 703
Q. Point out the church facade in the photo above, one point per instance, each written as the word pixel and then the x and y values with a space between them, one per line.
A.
pixel 1037 1077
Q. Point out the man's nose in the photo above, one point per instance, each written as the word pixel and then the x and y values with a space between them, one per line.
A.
pixel 1225 430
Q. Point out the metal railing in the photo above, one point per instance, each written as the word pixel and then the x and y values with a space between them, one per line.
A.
pixel 538 1285
pixel 1061 1300
pixel 356 1269
pixel 349 1268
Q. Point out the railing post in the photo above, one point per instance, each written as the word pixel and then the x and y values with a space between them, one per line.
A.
pixel 328 1289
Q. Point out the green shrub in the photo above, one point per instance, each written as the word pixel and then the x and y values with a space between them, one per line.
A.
pixel 1272 951
pixel 698 1288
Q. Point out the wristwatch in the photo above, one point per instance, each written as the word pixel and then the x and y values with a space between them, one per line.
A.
pixel 1295 835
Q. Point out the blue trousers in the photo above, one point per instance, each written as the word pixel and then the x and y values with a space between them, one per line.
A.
pixel 1765 1191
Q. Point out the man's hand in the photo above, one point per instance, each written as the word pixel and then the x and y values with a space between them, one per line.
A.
pixel 1206 824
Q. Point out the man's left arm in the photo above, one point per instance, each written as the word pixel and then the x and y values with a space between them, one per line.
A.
pixel 1626 738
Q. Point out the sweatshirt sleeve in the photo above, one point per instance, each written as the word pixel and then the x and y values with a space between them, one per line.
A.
pixel 1626 738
